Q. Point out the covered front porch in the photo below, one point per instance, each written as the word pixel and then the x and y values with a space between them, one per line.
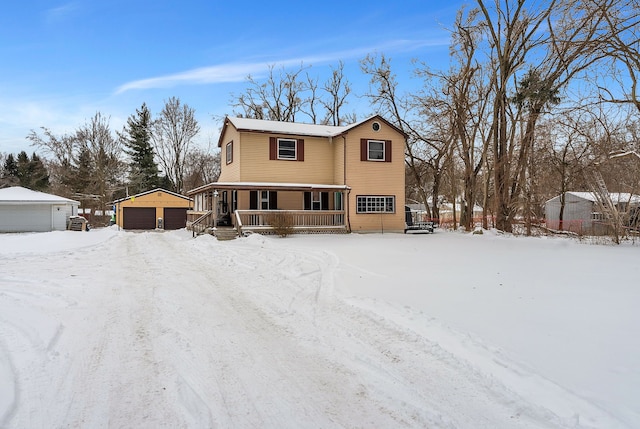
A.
pixel 310 208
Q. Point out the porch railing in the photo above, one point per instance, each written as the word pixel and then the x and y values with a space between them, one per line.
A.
pixel 198 222
pixel 303 220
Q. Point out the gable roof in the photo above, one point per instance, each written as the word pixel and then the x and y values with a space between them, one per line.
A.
pixel 20 195
pixel 295 128
pixel 142 194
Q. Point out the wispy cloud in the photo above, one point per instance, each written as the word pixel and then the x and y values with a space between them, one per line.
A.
pixel 56 14
pixel 237 72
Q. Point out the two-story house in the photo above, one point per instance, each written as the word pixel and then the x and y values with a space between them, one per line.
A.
pixel 330 178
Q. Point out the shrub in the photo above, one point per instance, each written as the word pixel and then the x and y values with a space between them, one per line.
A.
pixel 281 222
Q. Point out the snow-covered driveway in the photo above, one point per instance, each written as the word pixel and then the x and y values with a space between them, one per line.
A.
pixel 152 330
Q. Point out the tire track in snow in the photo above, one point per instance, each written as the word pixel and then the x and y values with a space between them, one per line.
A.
pixel 168 331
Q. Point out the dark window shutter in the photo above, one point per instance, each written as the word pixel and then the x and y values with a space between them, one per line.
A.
pixel 387 151
pixel 273 200
pixel 273 148
pixel 363 150
pixel 253 200
pixel 324 201
pixel 229 153
pixel 300 150
pixel 307 200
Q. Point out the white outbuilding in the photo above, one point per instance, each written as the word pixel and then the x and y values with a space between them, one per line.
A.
pixel 24 210
pixel 581 212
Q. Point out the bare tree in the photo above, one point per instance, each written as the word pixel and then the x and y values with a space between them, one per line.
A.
pixel 280 98
pixel 420 117
pixel 172 136
pixel 338 89
pixel 288 95
pixel 96 139
pixel 202 168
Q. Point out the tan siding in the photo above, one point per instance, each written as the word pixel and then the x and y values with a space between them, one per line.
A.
pixel 338 160
pixel 230 172
pixel 317 167
pixel 376 178
pixel 158 199
pixel 290 200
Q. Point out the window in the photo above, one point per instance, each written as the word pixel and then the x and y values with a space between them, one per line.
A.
pixel 337 201
pixel 316 200
pixel 286 149
pixel 264 200
pixel 229 151
pixel 375 150
pixel 376 204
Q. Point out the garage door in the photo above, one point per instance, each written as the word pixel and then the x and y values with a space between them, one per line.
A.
pixel 175 218
pixel 25 218
pixel 139 218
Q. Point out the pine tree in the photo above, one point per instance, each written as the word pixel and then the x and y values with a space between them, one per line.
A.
pixel 143 170
pixel 9 172
pixel 83 173
pixel 39 174
pixel 23 169
pixel 10 166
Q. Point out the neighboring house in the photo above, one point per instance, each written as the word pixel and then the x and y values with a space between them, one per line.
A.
pixel 582 212
pixel 446 212
pixel 153 209
pixel 329 178
pixel 24 210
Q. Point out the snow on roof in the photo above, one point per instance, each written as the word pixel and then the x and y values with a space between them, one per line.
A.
pixel 265 185
pixel 141 194
pixel 616 197
pixel 247 124
pixel 20 195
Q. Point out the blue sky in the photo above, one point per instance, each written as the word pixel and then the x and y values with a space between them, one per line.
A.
pixel 61 62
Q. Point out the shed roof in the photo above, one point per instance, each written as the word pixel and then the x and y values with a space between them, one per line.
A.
pixel 20 195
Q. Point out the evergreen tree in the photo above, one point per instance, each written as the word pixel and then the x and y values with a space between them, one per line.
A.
pixel 39 174
pixel 10 166
pixel 83 173
pixel 143 170
pixel 9 175
pixel 24 170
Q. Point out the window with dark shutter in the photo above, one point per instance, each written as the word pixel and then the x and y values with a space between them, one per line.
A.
pixel 229 150
pixel 375 150
pixel 287 149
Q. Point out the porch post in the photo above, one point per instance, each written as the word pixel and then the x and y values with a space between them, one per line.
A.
pixel 215 209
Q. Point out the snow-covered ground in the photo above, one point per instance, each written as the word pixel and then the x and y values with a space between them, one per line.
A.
pixel 118 329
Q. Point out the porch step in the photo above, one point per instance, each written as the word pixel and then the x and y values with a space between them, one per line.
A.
pixel 222 233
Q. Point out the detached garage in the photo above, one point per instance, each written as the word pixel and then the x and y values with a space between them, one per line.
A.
pixel 158 208
pixel 24 210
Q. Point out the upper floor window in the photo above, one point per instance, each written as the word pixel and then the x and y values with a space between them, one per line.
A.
pixel 375 150
pixel 286 149
pixel 229 150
